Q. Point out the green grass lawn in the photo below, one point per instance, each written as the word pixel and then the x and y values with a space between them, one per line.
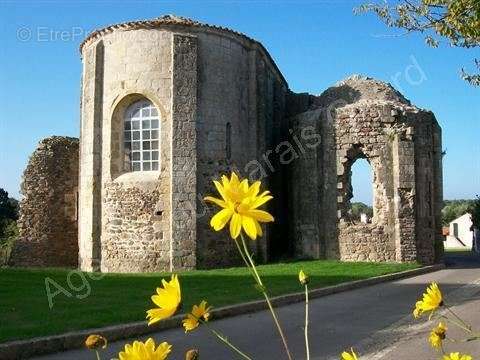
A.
pixel 121 298
pixel 459 250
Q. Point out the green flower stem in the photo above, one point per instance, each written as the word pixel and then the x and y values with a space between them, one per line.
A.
pixel 307 345
pixel 259 282
pixel 98 355
pixel 456 323
pixel 244 259
pixel 224 339
pixel 459 322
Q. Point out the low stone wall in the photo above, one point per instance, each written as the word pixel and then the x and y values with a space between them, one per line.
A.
pixel 48 209
pixel 364 242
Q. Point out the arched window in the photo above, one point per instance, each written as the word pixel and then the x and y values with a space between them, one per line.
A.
pixel 361 191
pixel 141 136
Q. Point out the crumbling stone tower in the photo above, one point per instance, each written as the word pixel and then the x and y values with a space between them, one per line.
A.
pixel 168 104
pixel 364 118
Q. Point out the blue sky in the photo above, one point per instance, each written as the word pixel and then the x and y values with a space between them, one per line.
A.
pixel 314 43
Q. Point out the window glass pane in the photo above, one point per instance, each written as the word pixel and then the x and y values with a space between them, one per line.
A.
pixel 136 145
pixel 136 112
pixel 135 166
pixel 141 125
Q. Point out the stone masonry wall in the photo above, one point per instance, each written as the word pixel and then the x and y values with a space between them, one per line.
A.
pixel 362 131
pixel 136 230
pixel 364 118
pixel 240 103
pixel 48 209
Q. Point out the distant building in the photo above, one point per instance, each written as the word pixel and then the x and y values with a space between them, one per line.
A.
pixel 460 233
pixel 364 218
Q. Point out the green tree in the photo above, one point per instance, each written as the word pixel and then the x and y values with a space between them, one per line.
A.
pixel 359 208
pixel 453 209
pixel 475 211
pixel 8 206
pixel 457 21
pixel 8 218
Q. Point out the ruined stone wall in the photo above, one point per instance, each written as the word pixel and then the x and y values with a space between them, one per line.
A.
pixel 306 206
pixel 48 209
pixel 427 163
pixel 362 131
pixel 364 118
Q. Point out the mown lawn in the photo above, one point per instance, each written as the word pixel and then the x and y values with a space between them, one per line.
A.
pixel 121 298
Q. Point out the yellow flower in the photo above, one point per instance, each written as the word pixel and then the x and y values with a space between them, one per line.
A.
pixel 437 335
pixel 192 354
pixel 303 278
pixel 145 351
pixel 457 356
pixel 431 300
pixel 94 342
pixel 349 356
pixel 239 203
pixel 167 299
pixel 199 312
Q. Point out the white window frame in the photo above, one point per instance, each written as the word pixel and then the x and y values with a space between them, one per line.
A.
pixel 141 136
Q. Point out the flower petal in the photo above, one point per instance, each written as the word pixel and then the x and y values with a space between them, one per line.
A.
pixel 221 190
pixel 260 215
pixel 220 219
pixel 260 201
pixel 259 228
pixel 235 225
pixel 216 201
pixel 248 225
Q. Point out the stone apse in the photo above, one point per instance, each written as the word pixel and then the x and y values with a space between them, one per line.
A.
pixel 168 104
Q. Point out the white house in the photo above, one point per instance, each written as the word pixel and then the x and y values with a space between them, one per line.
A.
pixel 460 233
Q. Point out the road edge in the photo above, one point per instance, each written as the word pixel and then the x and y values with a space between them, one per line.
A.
pixel 23 349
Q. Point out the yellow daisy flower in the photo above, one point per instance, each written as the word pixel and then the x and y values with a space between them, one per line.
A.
pixel 437 335
pixel 192 320
pixel 349 356
pixel 95 341
pixel 303 278
pixel 239 202
pixel 167 299
pixel 457 356
pixel 431 301
pixel 145 351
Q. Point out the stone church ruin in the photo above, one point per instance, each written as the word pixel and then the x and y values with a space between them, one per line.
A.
pixel 168 104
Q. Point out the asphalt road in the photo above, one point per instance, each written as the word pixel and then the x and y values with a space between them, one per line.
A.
pixel 375 320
